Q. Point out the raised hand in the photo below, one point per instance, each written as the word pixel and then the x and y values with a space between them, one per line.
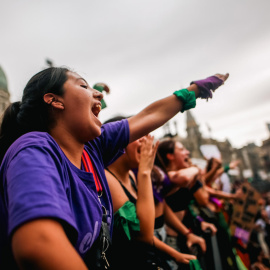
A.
pixel 147 153
pixel 234 164
pixel 223 77
pixel 209 84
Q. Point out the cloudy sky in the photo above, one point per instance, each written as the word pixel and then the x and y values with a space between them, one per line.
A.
pixel 146 49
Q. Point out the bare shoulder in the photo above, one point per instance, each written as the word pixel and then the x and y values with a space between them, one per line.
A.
pixel 119 197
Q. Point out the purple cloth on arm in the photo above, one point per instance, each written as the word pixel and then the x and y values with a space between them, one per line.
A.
pixel 205 85
pixel 161 183
pixel 38 181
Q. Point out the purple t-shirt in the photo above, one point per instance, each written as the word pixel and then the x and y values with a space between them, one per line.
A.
pixel 38 181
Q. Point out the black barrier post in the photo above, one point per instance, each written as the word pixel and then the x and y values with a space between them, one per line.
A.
pixel 216 253
pixel 211 259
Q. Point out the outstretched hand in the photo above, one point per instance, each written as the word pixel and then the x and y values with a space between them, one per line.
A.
pixel 223 77
pixel 206 86
pixel 234 164
pixel 102 87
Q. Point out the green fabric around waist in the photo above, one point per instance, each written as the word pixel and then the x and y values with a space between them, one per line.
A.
pixel 126 218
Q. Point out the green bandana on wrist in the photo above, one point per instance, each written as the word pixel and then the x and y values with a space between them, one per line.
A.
pixel 226 168
pixel 187 97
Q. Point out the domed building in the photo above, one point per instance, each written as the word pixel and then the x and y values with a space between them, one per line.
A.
pixel 4 94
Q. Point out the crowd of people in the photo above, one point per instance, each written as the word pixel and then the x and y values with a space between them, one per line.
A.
pixel 79 194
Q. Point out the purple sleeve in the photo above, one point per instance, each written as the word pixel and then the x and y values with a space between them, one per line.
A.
pixel 113 140
pixel 36 189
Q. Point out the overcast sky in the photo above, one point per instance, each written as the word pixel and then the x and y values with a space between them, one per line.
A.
pixel 146 49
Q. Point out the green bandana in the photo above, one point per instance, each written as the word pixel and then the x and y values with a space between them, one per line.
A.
pixel 188 98
pixel 194 265
pixel 100 88
pixel 126 218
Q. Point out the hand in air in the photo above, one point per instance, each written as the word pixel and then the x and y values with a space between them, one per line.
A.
pixel 223 77
pixel 147 153
pixel 209 84
pixel 102 86
pixel 234 164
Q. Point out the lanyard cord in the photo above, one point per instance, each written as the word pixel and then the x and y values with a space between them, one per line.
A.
pixel 88 166
pixel 104 234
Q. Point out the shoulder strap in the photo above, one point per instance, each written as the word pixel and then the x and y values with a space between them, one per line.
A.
pixel 130 197
pixel 133 183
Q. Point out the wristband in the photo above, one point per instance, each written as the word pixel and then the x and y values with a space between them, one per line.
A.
pixel 200 219
pixel 210 83
pixel 187 97
pixel 189 232
pixel 226 168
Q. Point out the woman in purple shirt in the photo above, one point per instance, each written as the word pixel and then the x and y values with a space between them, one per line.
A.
pixel 54 197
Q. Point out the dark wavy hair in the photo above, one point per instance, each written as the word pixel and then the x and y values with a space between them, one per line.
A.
pixel 165 147
pixel 32 113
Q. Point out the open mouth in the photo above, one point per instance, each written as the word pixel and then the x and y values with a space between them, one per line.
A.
pixel 96 109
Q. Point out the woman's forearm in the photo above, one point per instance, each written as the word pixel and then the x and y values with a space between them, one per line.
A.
pixel 172 221
pixel 174 254
pixel 145 207
pixel 209 176
pixel 220 194
pixel 43 244
pixel 183 177
pixel 156 114
pixel 159 112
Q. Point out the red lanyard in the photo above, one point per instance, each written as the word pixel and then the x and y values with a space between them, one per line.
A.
pixel 88 166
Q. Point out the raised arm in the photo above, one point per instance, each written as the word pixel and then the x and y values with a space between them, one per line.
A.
pixel 145 206
pixel 221 194
pixel 159 112
pixel 211 175
pixel 184 177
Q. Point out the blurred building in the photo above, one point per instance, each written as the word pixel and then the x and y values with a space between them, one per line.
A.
pixel 265 152
pixel 194 140
pixel 4 94
pixel 251 162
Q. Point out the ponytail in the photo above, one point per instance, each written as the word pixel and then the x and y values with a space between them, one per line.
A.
pixel 32 113
pixel 10 129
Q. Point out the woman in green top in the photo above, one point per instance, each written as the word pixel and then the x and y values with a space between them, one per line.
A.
pixel 133 202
